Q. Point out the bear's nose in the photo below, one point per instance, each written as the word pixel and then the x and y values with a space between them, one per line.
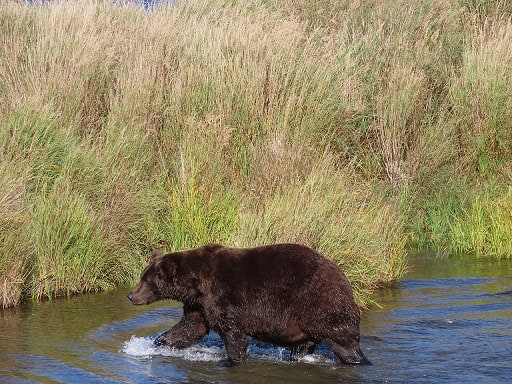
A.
pixel 130 296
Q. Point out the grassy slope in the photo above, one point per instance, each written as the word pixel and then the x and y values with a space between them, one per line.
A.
pixel 335 124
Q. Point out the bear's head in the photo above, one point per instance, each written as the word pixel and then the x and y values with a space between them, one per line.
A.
pixel 147 291
pixel 166 277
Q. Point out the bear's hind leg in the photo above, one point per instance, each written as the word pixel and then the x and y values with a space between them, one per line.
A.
pixel 351 354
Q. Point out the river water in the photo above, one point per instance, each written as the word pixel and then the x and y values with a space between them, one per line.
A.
pixel 448 321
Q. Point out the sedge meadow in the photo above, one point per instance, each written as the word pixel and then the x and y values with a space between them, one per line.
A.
pixel 364 129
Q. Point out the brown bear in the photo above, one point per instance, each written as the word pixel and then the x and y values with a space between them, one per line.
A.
pixel 284 294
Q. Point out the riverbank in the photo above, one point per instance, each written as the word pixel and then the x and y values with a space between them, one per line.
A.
pixel 340 126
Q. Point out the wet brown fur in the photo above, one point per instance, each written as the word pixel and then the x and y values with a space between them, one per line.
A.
pixel 285 294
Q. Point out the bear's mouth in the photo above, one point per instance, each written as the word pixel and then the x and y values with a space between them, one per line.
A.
pixel 132 299
pixel 136 301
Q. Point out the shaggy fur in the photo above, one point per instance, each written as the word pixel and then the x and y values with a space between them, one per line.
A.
pixel 284 294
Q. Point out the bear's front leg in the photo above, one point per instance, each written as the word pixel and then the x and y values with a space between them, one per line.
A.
pixel 301 350
pixel 190 330
pixel 235 341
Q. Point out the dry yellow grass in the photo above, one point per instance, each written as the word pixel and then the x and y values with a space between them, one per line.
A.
pixel 238 122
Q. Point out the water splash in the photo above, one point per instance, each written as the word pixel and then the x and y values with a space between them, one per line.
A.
pixel 144 347
pixel 209 352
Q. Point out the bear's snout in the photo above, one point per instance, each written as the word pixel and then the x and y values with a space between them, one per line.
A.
pixel 143 294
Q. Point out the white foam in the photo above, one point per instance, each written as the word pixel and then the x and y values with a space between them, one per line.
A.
pixel 315 359
pixel 143 347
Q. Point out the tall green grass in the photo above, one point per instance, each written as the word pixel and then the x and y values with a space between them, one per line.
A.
pixel 347 126
pixel 69 253
pixel 465 221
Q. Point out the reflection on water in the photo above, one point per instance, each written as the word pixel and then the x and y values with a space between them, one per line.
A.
pixel 450 320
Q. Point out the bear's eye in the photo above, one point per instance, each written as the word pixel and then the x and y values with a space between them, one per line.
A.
pixel 160 275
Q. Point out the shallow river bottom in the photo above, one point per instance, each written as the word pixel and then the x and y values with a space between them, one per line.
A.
pixel 448 321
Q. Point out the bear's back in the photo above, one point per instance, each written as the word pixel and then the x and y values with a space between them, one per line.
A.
pixel 281 271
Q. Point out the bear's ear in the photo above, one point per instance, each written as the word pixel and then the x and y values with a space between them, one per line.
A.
pixel 156 253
